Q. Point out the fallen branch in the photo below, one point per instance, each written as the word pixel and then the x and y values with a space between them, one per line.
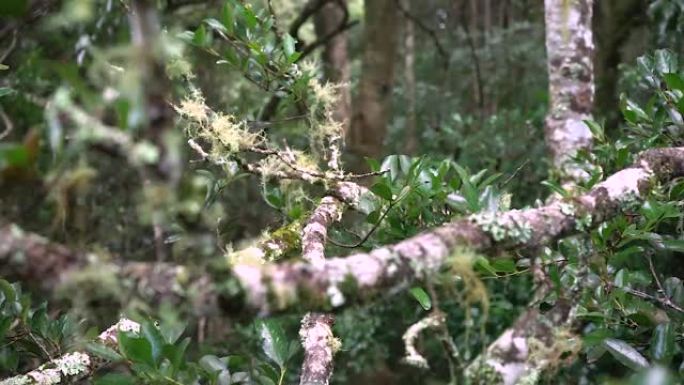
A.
pixel 76 365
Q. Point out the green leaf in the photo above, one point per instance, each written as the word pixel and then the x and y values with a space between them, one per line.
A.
pixel 8 291
pixel 249 16
pixel 625 353
pixel 288 46
pixel 175 353
pixel 483 265
pixel 674 81
pixel 596 336
pixel 136 349
pixel 382 190
pixel 656 375
pixel 4 91
pixel 216 25
pixel 422 297
pixel 555 187
pixel 212 364
pixel 200 36
pixel 115 379
pixel 663 343
pixel 596 130
pixel 631 111
pixel 14 154
pixel 151 333
pixel 373 217
pixel 273 341
pixel 673 244
pixel 665 61
pixel 503 265
pixel 227 17
pixel 103 351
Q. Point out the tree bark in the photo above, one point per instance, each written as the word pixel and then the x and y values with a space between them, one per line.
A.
pixel 319 348
pixel 570 48
pixel 372 105
pixel 335 57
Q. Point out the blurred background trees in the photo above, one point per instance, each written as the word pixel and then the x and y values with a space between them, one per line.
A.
pixel 104 201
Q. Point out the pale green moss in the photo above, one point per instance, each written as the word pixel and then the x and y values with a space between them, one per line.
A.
pixel 531 378
pixel 567 209
pixel 481 372
pixel 583 222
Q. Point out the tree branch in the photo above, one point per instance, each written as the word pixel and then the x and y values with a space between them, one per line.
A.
pixel 77 365
pixel 275 287
pixel 425 253
pixel 319 348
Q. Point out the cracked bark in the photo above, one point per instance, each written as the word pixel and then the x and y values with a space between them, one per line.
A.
pixel 569 49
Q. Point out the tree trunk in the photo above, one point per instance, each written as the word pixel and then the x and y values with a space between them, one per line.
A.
pixel 613 22
pixel 411 143
pixel 335 57
pixel 570 47
pixel 373 103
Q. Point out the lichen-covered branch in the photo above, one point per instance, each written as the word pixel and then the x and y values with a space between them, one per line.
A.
pixel 569 47
pixel 319 348
pixel 432 321
pixel 76 365
pixel 35 258
pixel 535 343
pixel 317 338
pixel 315 233
pixel 274 287
pixel 271 287
pixel 32 258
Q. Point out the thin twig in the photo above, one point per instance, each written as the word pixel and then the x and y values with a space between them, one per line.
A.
pixel 368 235
pixel 517 170
pixel 663 302
pixel 7 122
pixel 9 49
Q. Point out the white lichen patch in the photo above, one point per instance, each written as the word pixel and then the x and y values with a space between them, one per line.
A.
pixel 503 228
pixel 45 376
pixel 583 222
pixel 73 363
pixel 567 209
pixel 335 296
pixel 126 325
pixel 19 380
